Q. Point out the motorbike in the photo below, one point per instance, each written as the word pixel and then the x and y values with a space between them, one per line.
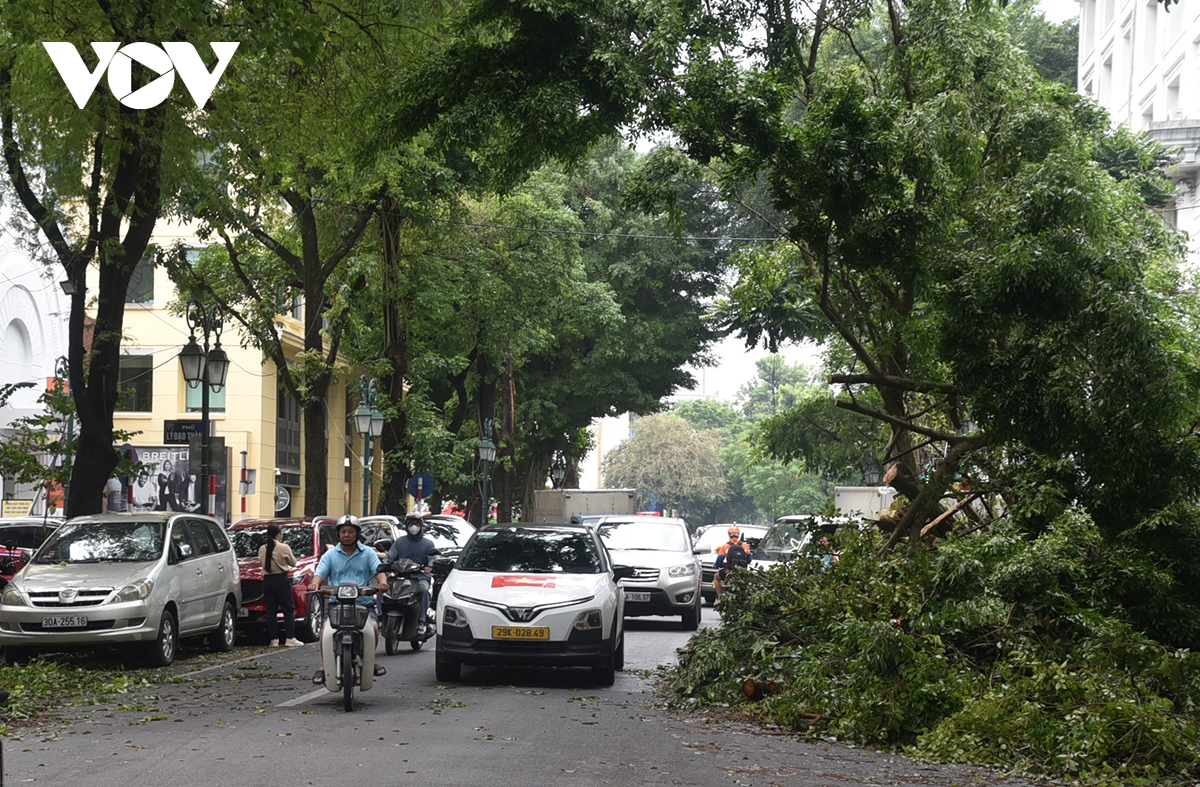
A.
pixel 400 608
pixel 348 643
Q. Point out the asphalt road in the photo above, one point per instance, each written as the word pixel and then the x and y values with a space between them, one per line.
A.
pixel 255 719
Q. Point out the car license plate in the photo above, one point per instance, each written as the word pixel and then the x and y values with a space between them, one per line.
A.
pixel 64 622
pixel 243 612
pixel 637 595
pixel 520 632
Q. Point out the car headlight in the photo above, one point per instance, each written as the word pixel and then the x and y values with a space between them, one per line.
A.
pixel 682 571
pixel 592 619
pixel 12 597
pixel 452 616
pixel 137 591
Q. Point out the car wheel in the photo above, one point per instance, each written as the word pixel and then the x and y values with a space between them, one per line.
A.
pixel 605 673
pixel 691 618
pixel 223 639
pixel 17 655
pixel 620 656
pixel 314 614
pixel 161 652
pixel 445 669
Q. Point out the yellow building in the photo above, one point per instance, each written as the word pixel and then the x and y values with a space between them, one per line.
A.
pixel 260 423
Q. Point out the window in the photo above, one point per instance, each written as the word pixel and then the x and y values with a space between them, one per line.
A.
pixel 195 397
pixel 141 284
pixel 135 384
pixel 287 432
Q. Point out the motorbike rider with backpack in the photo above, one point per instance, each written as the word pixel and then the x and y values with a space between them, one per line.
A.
pixel 730 555
pixel 420 549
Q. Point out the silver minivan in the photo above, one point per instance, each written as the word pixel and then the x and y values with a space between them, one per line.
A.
pixel 143 578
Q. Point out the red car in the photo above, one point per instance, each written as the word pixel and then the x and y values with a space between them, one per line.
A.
pixel 19 539
pixel 308 538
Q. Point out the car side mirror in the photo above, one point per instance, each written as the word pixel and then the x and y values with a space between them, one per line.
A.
pixel 383 544
pixel 623 572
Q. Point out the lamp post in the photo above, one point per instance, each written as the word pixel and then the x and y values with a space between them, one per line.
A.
pixel 368 422
pixel 208 368
pixel 62 371
pixel 558 471
pixel 487 454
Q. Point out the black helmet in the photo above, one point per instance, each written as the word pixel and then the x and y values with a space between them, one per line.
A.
pixel 352 521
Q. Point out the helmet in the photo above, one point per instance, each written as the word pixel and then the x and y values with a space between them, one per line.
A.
pixel 414 524
pixel 735 531
pixel 351 520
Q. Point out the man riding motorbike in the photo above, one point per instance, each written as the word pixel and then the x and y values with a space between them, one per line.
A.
pixel 350 561
pixel 419 548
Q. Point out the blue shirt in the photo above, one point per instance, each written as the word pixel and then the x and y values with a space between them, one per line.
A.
pixel 359 568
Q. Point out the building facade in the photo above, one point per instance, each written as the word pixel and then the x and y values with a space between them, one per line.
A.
pixel 1141 62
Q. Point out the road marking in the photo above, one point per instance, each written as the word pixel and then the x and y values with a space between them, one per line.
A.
pixel 312 695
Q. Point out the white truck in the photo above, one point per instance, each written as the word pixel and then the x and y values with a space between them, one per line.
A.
pixel 863 501
pixel 569 505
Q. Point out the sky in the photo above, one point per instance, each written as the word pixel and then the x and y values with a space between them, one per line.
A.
pixel 736 367
pixel 1059 10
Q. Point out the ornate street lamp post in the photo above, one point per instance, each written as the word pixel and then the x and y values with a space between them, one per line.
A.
pixel 368 422
pixel 558 471
pixel 487 455
pixel 208 368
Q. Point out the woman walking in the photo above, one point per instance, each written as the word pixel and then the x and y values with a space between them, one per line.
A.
pixel 276 558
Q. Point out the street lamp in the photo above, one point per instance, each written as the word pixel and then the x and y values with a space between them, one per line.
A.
pixel 368 422
pixel 208 368
pixel 558 471
pixel 487 455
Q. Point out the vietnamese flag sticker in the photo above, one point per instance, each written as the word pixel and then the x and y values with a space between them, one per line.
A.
pixel 517 581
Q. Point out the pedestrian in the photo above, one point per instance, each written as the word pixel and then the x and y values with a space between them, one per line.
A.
pixel 277 558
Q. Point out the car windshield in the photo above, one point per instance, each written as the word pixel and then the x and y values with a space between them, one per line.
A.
pixel 531 551
pixel 246 541
pixel 644 535
pixel 446 535
pixel 104 542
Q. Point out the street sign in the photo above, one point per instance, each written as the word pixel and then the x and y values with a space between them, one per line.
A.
pixel 179 432
pixel 420 485
pixel 17 507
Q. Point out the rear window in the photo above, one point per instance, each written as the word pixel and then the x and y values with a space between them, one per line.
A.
pixel 531 551
pixel 246 541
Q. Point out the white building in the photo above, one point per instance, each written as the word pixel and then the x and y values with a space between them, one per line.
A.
pixel 1141 61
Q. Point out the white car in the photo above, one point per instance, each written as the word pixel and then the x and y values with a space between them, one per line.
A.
pixel 797 535
pixel 666 579
pixel 143 579
pixel 532 594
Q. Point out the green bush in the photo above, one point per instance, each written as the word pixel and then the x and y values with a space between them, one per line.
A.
pixel 1002 648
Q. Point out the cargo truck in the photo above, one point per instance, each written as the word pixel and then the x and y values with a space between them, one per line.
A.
pixel 573 505
pixel 863 501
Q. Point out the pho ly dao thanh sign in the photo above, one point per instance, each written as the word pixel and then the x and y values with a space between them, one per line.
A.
pixel 166 60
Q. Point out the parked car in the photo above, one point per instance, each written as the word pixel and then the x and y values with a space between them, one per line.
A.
pixel 666 578
pixel 380 532
pixel 146 578
pixel 794 535
pixel 705 543
pixel 19 539
pixel 308 538
pixel 532 594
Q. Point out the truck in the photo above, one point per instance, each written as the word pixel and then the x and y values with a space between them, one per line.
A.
pixel 863 501
pixel 570 505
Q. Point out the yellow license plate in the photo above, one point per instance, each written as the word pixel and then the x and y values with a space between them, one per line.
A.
pixel 520 632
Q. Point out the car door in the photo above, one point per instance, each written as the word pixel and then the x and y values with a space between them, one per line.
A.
pixel 189 576
pixel 211 573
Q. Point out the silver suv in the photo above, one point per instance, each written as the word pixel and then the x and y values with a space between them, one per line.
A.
pixel 666 578
pixel 146 578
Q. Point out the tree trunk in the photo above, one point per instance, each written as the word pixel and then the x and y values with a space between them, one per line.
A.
pixel 394 441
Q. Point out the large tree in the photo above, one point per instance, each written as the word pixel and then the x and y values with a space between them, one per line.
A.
pixel 93 182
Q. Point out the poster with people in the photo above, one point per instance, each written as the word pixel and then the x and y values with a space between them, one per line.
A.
pixel 166 484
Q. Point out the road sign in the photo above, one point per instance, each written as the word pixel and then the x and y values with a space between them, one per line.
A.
pixel 179 432
pixel 420 485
